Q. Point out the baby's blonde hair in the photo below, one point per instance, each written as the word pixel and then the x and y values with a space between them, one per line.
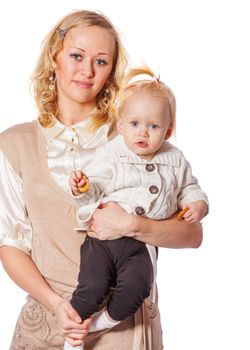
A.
pixel 153 86
pixel 46 98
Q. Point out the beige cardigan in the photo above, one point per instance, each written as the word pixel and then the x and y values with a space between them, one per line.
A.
pixel 55 251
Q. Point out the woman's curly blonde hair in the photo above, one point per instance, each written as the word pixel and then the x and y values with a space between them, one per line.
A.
pixel 46 98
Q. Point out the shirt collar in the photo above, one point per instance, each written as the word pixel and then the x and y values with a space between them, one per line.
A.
pixel 55 130
pixel 87 139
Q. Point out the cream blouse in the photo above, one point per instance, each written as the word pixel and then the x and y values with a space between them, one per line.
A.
pixel 68 148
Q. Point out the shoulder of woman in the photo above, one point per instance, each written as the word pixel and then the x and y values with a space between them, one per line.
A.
pixel 18 130
pixel 12 142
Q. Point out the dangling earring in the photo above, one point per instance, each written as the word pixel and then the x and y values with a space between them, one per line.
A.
pixel 52 82
pixel 106 95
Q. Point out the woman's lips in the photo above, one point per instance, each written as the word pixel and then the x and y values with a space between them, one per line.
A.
pixel 83 84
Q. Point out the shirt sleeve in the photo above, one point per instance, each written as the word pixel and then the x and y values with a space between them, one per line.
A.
pixel 15 228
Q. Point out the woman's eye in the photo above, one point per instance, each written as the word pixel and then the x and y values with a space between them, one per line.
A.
pixel 76 56
pixel 134 123
pixel 101 62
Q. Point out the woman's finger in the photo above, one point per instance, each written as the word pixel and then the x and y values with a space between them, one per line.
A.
pixel 74 342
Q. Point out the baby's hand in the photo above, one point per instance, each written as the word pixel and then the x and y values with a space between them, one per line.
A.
pixel 78 180
pixel 194 211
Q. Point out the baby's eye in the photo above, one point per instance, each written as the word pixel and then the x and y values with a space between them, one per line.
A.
pixel 76 56
pixel 154 126
pixel 134 123
pixel 101 62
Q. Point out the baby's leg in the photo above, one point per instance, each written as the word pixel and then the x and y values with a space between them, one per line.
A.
pixel 95 278
pixel 134 280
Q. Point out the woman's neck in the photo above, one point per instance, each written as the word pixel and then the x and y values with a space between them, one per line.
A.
pixel 73 114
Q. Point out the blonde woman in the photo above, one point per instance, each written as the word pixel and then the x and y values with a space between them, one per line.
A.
pixel 75 83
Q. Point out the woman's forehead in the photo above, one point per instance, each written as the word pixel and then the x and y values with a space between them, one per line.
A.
pixel 93 38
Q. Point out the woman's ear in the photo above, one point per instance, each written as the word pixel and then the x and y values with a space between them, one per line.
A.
pixel 168 133
pixel 119 125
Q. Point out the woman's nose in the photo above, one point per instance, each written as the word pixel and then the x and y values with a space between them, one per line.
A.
pixel 87 68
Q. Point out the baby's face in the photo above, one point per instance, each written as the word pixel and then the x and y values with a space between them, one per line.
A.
pixel 144 123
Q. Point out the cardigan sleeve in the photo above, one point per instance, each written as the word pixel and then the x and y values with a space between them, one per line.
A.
pixel 190 189
pixel 100 173
pixel 15 228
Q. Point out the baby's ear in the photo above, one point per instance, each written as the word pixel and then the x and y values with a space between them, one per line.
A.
pixel 119 125
pixel 168 133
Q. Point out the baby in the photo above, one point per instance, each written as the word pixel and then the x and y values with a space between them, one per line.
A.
pixel 146 175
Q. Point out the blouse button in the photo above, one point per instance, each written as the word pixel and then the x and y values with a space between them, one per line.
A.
pixel 139 211
pixel 153 189
pixel 150 167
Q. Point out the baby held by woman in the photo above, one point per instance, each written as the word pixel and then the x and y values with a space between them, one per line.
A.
pixel 147 176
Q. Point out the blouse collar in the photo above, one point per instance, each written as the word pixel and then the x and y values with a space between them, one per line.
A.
pixel 86 138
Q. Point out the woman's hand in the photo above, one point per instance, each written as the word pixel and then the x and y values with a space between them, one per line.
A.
pixel 110 222
pixel 70 324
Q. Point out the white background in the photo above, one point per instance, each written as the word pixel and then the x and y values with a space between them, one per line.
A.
pixel 201 50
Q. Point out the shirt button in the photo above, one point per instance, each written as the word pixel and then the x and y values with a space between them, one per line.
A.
pixel 139 210
pixel 153 189
pixel 150 167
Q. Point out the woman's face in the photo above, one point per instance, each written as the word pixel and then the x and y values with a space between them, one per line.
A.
pixel 84 65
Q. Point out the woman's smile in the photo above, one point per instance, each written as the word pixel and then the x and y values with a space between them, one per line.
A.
pixel 83 84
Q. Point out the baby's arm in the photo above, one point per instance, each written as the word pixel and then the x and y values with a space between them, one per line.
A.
pixel 191 199
pixel 194 211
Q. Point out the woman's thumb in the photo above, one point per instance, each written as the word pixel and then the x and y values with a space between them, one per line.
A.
pixel 73 314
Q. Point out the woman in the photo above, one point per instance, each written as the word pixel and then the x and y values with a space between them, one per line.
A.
pixel 75 84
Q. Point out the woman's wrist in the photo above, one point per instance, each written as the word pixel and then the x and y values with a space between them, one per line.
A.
pixel 134 226
pixel 53 301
